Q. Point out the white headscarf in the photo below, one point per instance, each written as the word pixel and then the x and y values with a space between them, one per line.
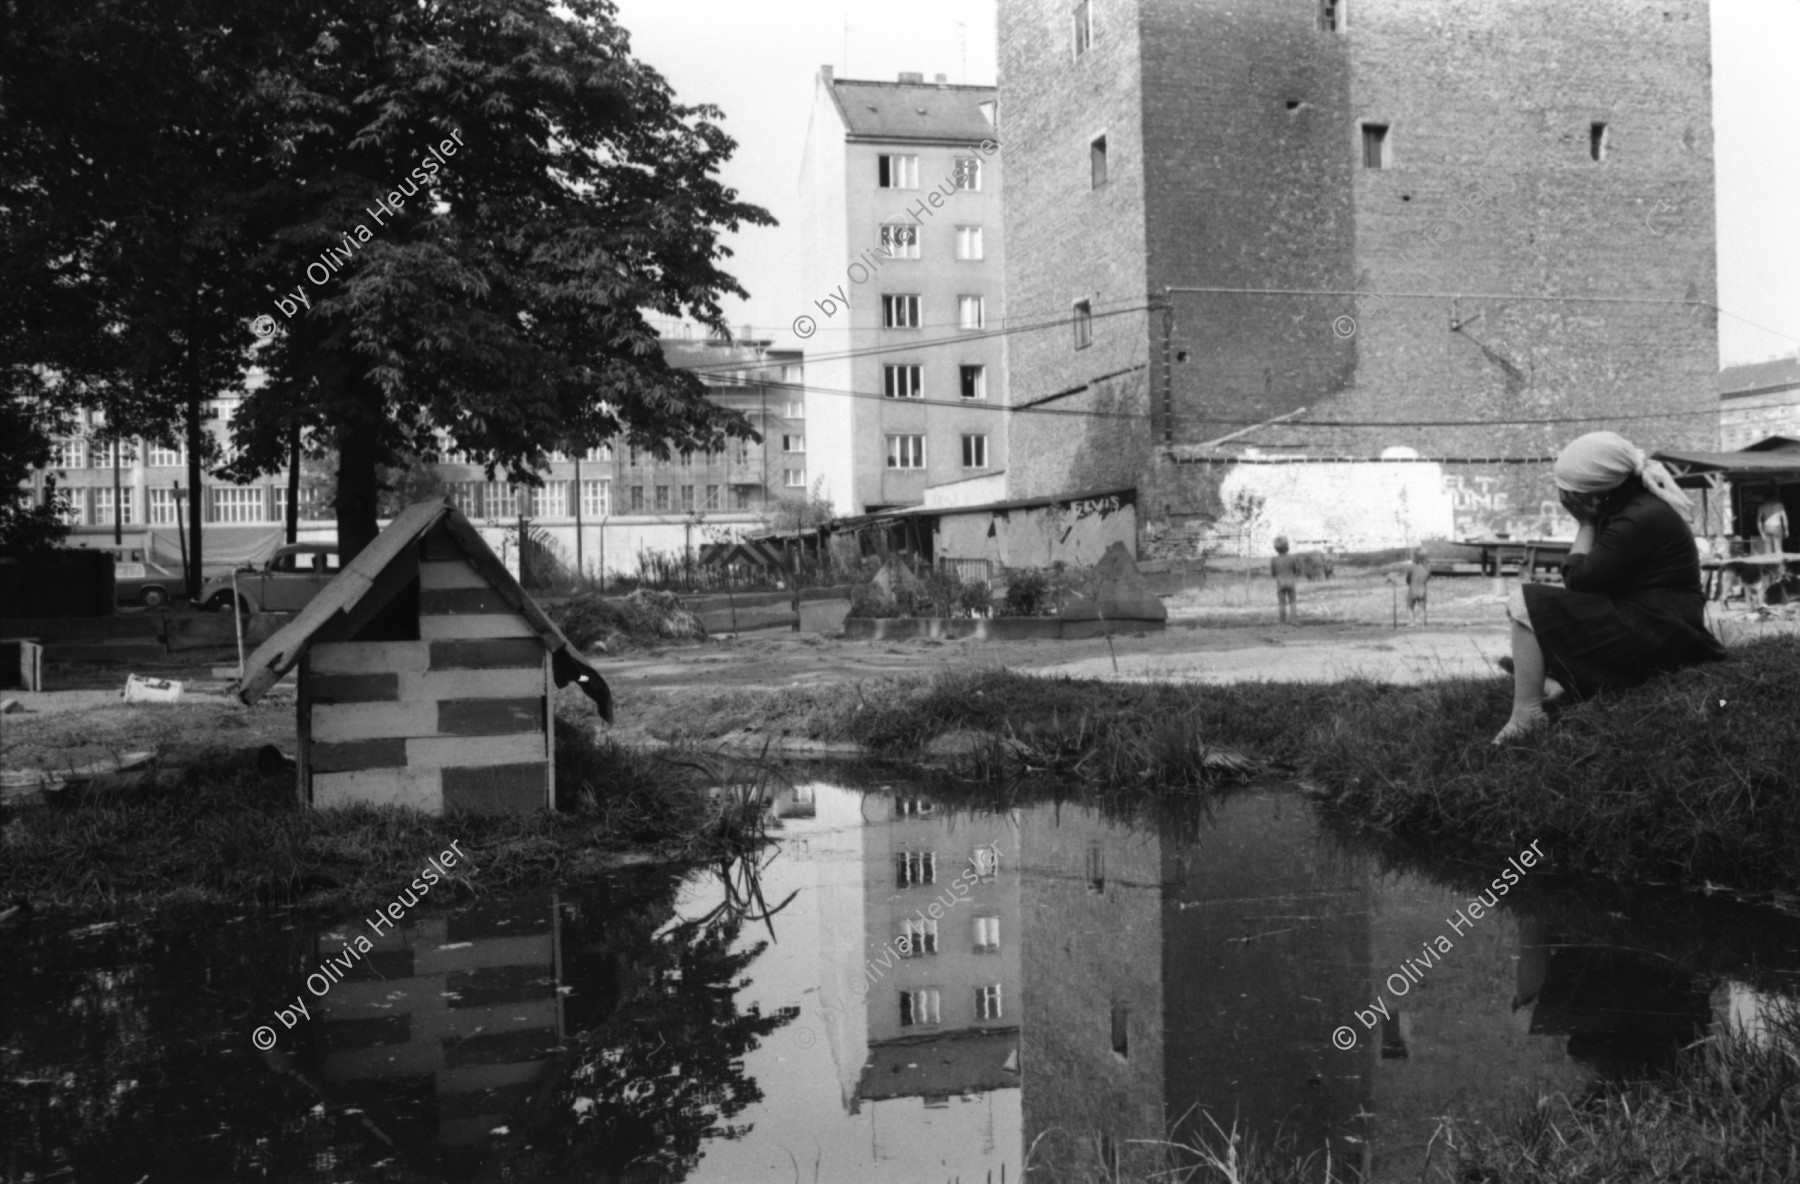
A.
pixel 1600 461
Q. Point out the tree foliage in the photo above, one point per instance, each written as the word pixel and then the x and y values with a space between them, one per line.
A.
pixel 182 167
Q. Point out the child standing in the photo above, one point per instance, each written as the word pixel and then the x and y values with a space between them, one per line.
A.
pixel 1418 574
pixel 1286 570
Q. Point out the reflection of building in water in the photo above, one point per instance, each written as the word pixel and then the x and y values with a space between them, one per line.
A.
pixel 921 995
pixel 1094 1012
pixel 1265 941
pixel 448 1025
pixel 943 948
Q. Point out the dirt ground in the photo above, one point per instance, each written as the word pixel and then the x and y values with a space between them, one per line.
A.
pixel 1226 632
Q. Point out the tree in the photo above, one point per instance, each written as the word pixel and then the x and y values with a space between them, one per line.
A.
pixel 787 515
pixel 127 157
pixel 473 203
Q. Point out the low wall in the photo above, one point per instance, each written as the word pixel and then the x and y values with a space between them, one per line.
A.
pixel 990 628
pixel 169 631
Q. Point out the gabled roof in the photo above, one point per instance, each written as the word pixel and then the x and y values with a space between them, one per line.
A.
pixel 1757 378
pixel 913 110
pixel 361 582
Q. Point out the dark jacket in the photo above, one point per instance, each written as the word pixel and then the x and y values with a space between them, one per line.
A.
pixel 1642 547
pixel 1631 607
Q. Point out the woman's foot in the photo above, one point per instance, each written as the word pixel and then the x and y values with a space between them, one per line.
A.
pixel 1505 664
pixel 1523 722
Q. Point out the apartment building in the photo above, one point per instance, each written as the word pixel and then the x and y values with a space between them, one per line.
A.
pixel 603 510
pixel 902 263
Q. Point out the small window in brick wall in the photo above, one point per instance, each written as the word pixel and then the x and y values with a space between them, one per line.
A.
pixel 1597 141
pixel 1084 27
pixel 1331 16
pixel 1375 145
pixel 1097 160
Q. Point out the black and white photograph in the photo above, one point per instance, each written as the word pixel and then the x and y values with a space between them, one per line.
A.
pixel 965 592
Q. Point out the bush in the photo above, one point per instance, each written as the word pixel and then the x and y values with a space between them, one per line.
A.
pixel 1028 593
pixel 975 598
pixel 643 616
pixel 867 601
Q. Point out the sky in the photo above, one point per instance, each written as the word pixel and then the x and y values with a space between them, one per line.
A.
pixel 759 61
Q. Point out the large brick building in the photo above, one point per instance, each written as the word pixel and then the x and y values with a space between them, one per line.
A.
pixel 1402 213
pixel 900 195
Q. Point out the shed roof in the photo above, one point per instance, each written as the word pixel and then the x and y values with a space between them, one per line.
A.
pixel 282 652
pixel 1765 462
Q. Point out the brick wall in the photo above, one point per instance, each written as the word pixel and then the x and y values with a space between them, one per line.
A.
pixel 1245 170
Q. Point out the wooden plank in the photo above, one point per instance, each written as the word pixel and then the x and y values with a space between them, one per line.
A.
pixel 452 573
pixel 549 733
pixel 337 722
pixel 437 544
pixel 501 1048
pixel 419 789
pixel 455 626
pixel 381 1031
pixel 471 684
pixel 530 949
pixel 462 600
pixel 303 770
pixel 496 789
pixel 372 657
pixel 487 717
pixel 356 688
pixel 352 755
pixel 495 653
pixel 473 751
pixel 500 984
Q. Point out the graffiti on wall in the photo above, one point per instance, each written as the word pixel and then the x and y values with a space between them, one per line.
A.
pixel 1488 504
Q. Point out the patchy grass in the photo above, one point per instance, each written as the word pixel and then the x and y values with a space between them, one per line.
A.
pixel 642 618
pixel 228 833
pixel 1687 780
pixel 1729 1112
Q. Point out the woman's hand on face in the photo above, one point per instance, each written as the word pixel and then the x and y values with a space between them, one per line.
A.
pixel 1578 506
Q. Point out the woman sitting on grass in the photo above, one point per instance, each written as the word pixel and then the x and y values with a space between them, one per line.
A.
pixel 1630 605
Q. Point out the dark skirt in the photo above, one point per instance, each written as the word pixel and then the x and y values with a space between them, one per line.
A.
pixel 1594 642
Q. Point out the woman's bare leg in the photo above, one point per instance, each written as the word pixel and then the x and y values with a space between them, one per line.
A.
pixel 1528 685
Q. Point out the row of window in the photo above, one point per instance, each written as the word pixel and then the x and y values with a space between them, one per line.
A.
pixel 922 1006
pixel 78 453
pixel 908 452
pixel 901 171
pixel 900 241
pixel 917 868
pixel 900 310
pixel 907 381
pixel 919 937
pixel 224 504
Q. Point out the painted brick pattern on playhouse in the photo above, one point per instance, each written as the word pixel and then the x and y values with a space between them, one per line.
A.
pixel 426 677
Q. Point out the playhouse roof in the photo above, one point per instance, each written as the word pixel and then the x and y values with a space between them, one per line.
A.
pixel 361 578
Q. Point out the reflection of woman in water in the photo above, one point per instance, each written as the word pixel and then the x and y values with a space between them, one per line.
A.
pixel 1630 605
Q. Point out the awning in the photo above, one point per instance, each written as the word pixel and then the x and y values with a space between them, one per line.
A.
pixel 1695 468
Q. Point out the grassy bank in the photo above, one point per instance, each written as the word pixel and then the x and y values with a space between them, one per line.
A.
pixel 1688 780
pixel 225 832
pixel 1728 1112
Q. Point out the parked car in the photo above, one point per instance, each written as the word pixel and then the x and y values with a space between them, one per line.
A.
pixel 285 584
pixel 139 580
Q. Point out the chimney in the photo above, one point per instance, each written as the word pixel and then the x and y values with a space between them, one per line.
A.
pixel 825 73
pixel 910 76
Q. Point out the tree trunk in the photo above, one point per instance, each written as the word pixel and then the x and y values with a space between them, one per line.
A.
pixel 358 490
pixel 196 512
pixel 293 484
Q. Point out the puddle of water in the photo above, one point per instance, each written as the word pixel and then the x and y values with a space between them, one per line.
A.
pixel 904 992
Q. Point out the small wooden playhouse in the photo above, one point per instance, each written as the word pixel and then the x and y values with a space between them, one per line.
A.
pixel 426 676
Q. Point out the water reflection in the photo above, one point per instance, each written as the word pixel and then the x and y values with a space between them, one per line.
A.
pixel 899 991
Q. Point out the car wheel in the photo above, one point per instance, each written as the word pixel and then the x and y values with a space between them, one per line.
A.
pixel 155 598
pixel 220 603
